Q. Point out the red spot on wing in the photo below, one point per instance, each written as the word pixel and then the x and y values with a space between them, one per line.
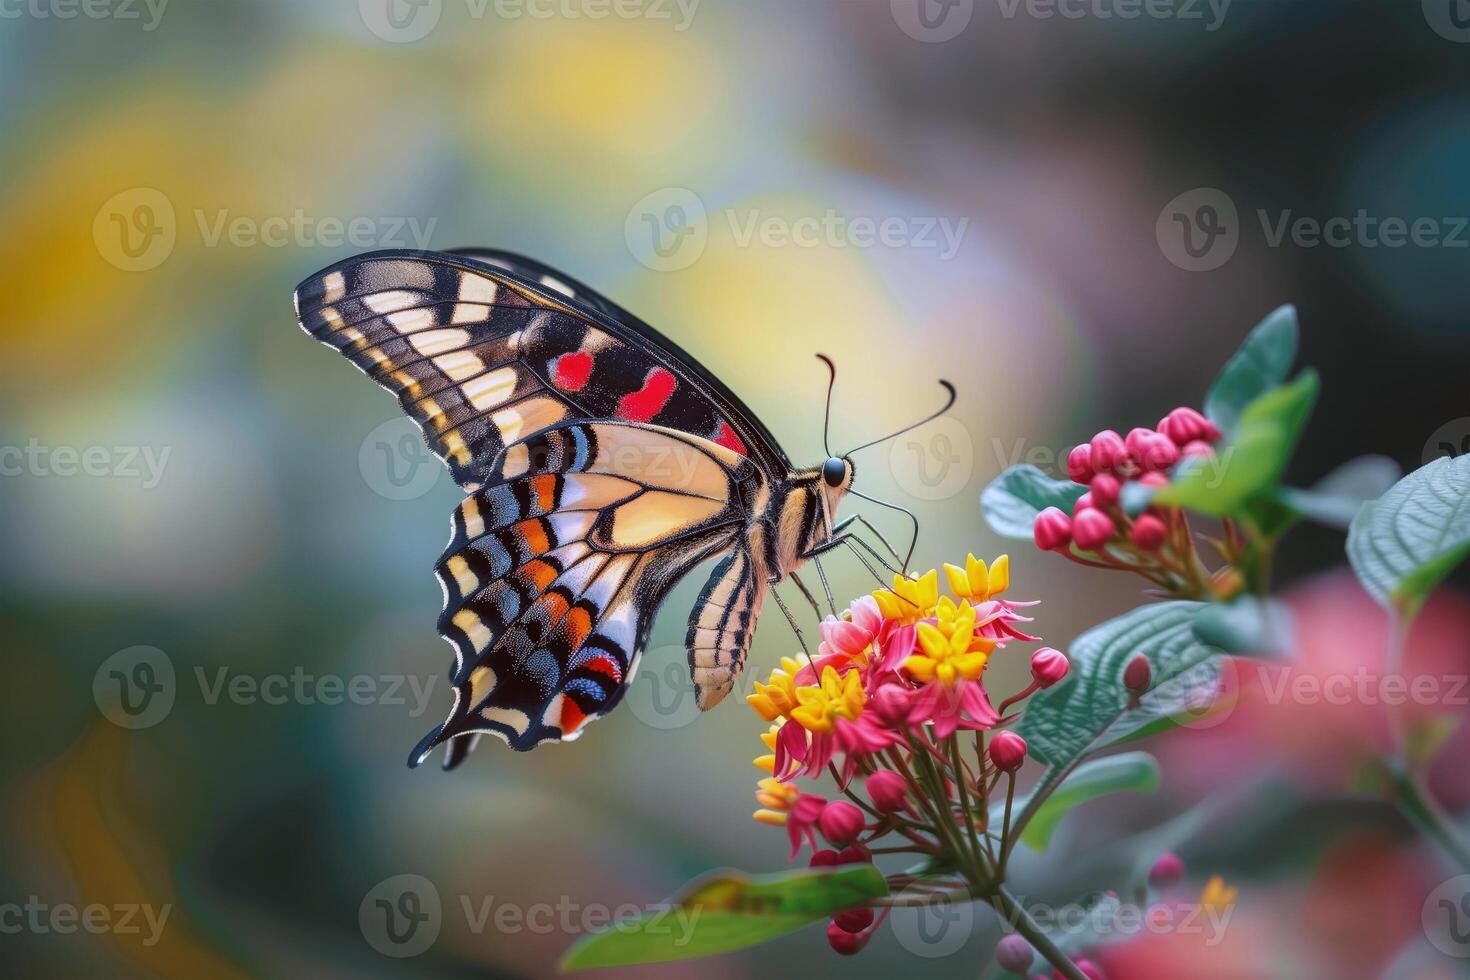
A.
pixel 729 439
pixel 606 666
pixel 572 370
pixel 644 404
pixel 571 716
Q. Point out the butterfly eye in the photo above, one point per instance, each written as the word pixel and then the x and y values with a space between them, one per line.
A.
pixel 834 471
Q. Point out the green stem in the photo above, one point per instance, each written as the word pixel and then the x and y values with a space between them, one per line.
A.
pixel 1019 919
pixel 1413 800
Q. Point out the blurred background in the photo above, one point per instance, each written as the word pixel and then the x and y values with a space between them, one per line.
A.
pixel 1075 211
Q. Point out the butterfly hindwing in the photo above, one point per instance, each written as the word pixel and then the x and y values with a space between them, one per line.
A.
pixel 722 625
pixel 553 572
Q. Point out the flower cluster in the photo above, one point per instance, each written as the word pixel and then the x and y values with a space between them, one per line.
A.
pixel 881 707
pixel 1155 543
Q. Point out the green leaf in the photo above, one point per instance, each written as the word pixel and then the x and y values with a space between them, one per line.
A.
pixel 1089 709
pixel 1336 498
pixel 1014 498
pixel 1246 625
pixel 1404 544
pixel 1252 462
pixel 727 910
pixel 1113 774
pixel 1262 362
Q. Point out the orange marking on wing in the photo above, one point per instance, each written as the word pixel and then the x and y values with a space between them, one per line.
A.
pixel 572 716
pixel 534 535
pixel 538 573
pixel 555 606
pixel 544 487
pixel 578 625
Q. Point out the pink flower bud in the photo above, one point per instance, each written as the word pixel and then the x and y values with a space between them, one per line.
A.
pixel 1014 955
pixel 1148 532
pixel 1167 871
pixel 888 790
pixel 1105 490
pixel 1007 751
pixel 1137 439
pixel 1155 480
pixel 1156 453
pixel 1185 425
pixel 854 854
pixel 1136 677
pixel 844 942
pixel 1108 451
pixel 1053 529
pixel 1089 969
pixel 854 920
pixel 1091 529
pixel 824 859
pixel 1079 464
pixel 1048 665
pixel 1081 503
pixel 891 705
pixel 1198 448
pixel 840 822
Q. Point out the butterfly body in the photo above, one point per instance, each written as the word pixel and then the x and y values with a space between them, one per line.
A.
pixel 602 465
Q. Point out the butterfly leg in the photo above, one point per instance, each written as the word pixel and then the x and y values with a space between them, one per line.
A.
pixel 847 522
pixel 800 636
pixel 826 588
pixel 851 541
pixel 809 597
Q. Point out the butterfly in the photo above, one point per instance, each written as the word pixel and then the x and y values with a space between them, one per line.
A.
pixel 602 464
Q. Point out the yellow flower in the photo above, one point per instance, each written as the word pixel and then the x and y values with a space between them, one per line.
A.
pixel 951 651
pixel 1217 897
pixel 910 599
pixel 840 696
pixel 776 799
pixel 768 761
pixel 975 582
pixel 777 696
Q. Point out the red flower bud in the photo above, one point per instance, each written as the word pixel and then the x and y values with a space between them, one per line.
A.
pixel 824 859
pixel 1167 871
pixel 1148 532
pixel 1053 529
pixel 1105 490
pixel 1081 503
pixel 1198 448
pixel 844 942
pixel 1155 480
pixel 1136 676
pixel 853 920
pixel 840 822
pixel 1137 439
pixel 1007 751
pixel 888 790
pixel 1109 453
pixel 1156 453
pixel 854 854
pixel 1079 464
pixel 1048 665
pixel 1091 529
pixel 1185 425
pixel 1014 955
pixel 891 705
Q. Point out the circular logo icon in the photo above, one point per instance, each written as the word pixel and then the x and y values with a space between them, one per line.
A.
pixel 1450 19
pixel 135 688
pixel 932 21
pixel 1209 693
pixel 395 463
pixel 1446 917
pixel 401 915
pixel 1451 439
pixel 662 696
pixel 667 230
pixel 1198 230
pixel 135 230
pixel 933 462
pixel 400 21
pixel 934 927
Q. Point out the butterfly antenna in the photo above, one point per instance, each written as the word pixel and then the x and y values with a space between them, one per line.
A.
pixel 827 415
pixel 928 418
pixel 914 541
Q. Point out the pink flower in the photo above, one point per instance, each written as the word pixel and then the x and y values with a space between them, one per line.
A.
pixel 965 705
pixel 1053 529
pixel 801 822
pixel 1079 464
pixel 841 822
pixel 888 790
pixel 1092 529
pixel 1185 425
pixel 1008 751
pixel 1048 665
